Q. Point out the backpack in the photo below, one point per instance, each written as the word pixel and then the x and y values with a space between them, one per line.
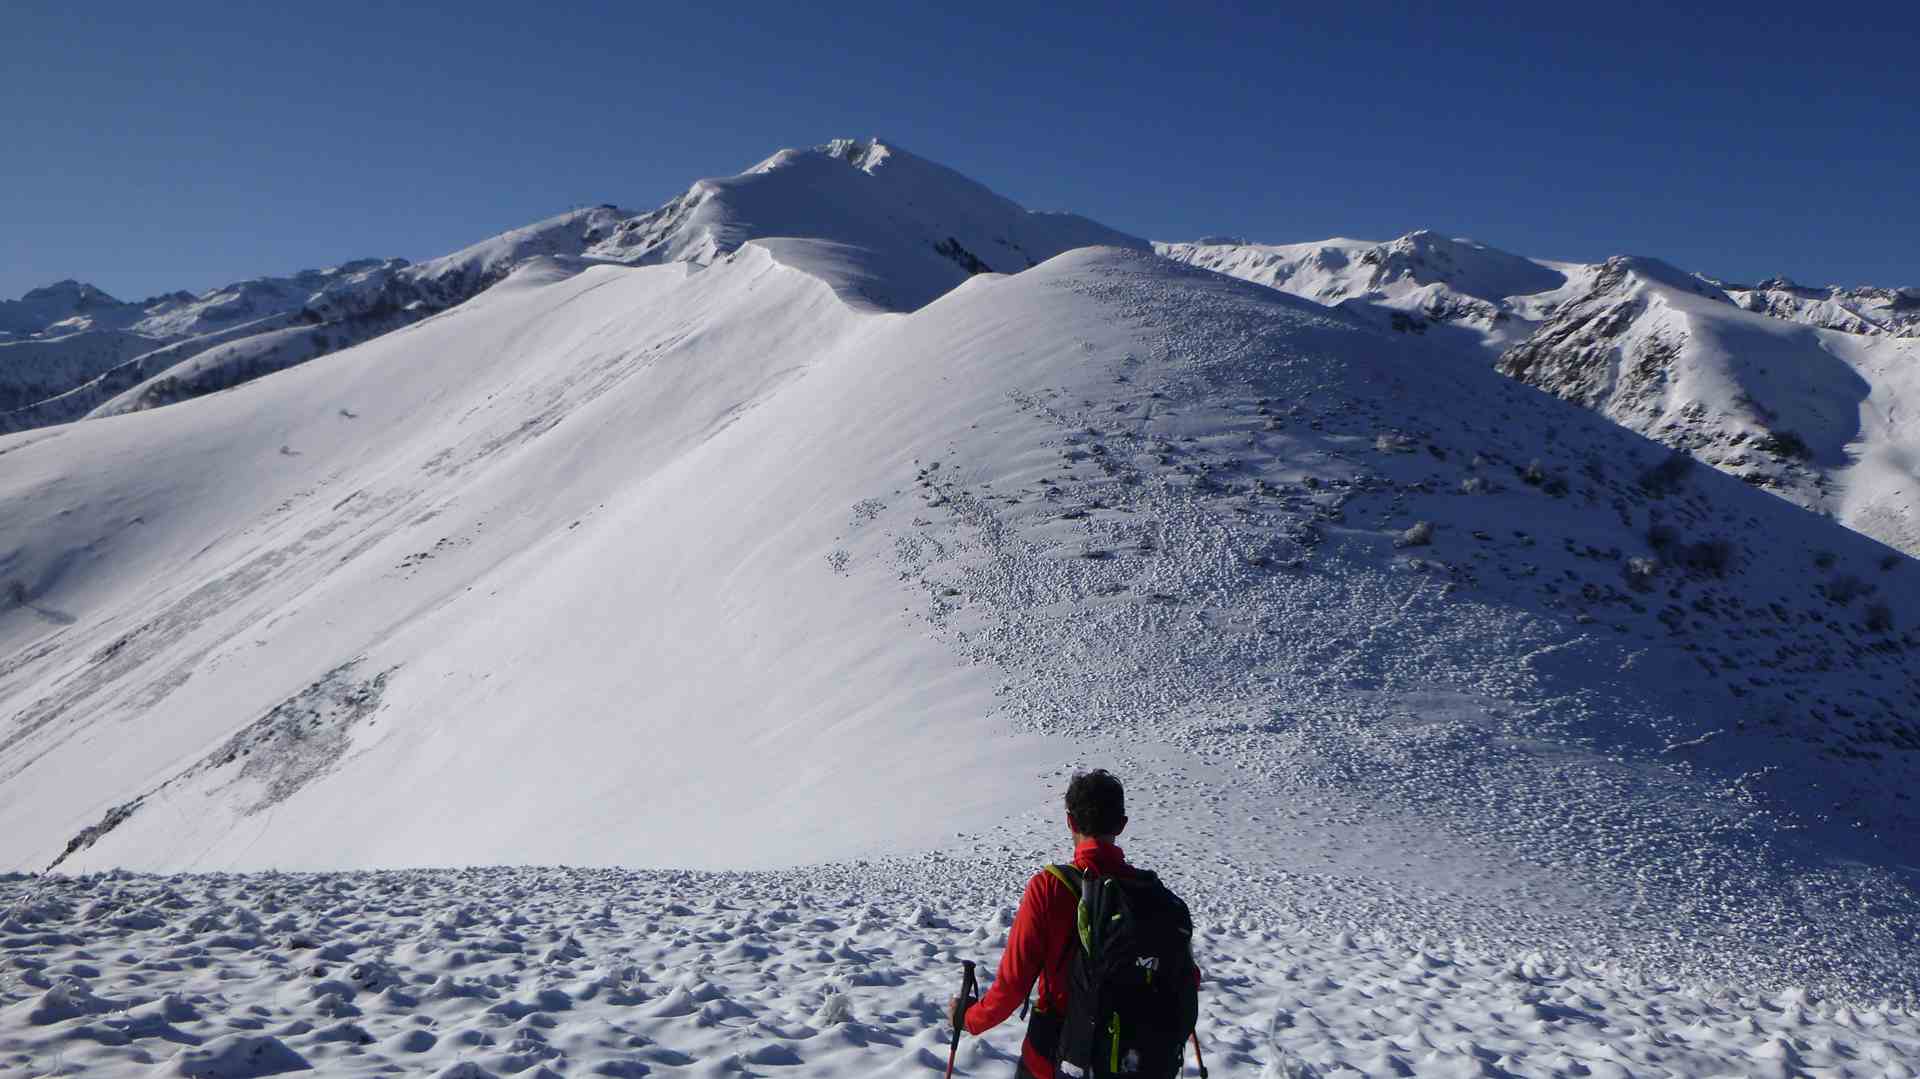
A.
pixel 1133 1001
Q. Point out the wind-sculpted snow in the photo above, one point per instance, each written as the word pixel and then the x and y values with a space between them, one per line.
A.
pixel 835 971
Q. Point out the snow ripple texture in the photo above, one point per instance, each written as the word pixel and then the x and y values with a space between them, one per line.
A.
pixel 836 971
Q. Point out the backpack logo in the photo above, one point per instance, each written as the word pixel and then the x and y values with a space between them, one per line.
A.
pixel 1151 962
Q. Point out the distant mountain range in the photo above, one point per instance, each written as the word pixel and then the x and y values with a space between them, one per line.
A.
pixel 76 352
pixel 1813 394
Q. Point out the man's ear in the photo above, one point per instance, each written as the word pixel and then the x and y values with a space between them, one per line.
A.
pixel 1072 825
pixel 1121 827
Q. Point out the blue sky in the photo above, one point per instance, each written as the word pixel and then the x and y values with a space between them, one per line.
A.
pixel 183 145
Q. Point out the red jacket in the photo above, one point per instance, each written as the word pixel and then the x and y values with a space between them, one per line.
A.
pixel 1039 947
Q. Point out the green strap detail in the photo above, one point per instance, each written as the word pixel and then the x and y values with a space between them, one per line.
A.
pixel 1067 877
pixel 1061 875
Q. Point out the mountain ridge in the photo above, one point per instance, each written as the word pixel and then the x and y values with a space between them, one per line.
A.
pixel 1781 386
pixel 934 227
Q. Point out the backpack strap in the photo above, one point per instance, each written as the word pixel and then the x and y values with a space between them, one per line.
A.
pixel 1075 880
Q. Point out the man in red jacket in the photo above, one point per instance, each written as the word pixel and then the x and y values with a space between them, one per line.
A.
pixel 1040 947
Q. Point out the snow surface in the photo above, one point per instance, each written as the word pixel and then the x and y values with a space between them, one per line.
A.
pixel 831 972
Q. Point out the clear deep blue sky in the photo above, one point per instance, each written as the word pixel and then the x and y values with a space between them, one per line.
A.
pixel 155 146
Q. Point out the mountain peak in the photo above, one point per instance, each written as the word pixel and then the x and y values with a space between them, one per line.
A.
pixel 68 290
pixel 894 230
pixel 1620 269
pixel 863 154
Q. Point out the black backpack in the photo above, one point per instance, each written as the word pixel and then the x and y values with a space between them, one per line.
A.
pixel 1132 1002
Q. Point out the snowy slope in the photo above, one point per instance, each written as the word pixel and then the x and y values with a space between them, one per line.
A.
pixel 668 565
pixel 203 344
pixel 1820 416
pixel 35 368
pixel 61 369
pixel 1804 392
pixel 889 230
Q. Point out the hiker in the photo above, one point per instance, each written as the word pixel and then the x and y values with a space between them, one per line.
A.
pixel 1140 1028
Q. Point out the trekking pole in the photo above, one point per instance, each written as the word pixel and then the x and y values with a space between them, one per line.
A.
pixel 966 1001
pixel 1198 1060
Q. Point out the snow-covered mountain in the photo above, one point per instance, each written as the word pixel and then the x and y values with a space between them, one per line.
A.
pixel 75 353
pixel 66 302
pixel 1860 310
pixel 1822 417
pixel 183 346
pixel 1804 392
pixel 902 229
pixel 714 562
pixel 892 231
pixel 1463 292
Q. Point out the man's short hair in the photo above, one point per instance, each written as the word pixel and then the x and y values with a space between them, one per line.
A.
pixel 1097 803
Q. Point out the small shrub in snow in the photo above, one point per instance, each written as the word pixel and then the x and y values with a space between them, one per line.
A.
pixel 1640 573
pixel 1536 475
pixel 1668 475
pixel 1419 535
pixel 1846 588
pixel 1879 618
pixel 1713 556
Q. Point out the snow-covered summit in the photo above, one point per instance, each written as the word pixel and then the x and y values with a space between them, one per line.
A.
pixel 59 302
pixel 883 226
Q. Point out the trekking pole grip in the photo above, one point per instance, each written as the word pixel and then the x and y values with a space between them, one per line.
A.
pixel 966 1000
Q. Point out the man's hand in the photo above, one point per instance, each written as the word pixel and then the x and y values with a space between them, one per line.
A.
pixel 957 1012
